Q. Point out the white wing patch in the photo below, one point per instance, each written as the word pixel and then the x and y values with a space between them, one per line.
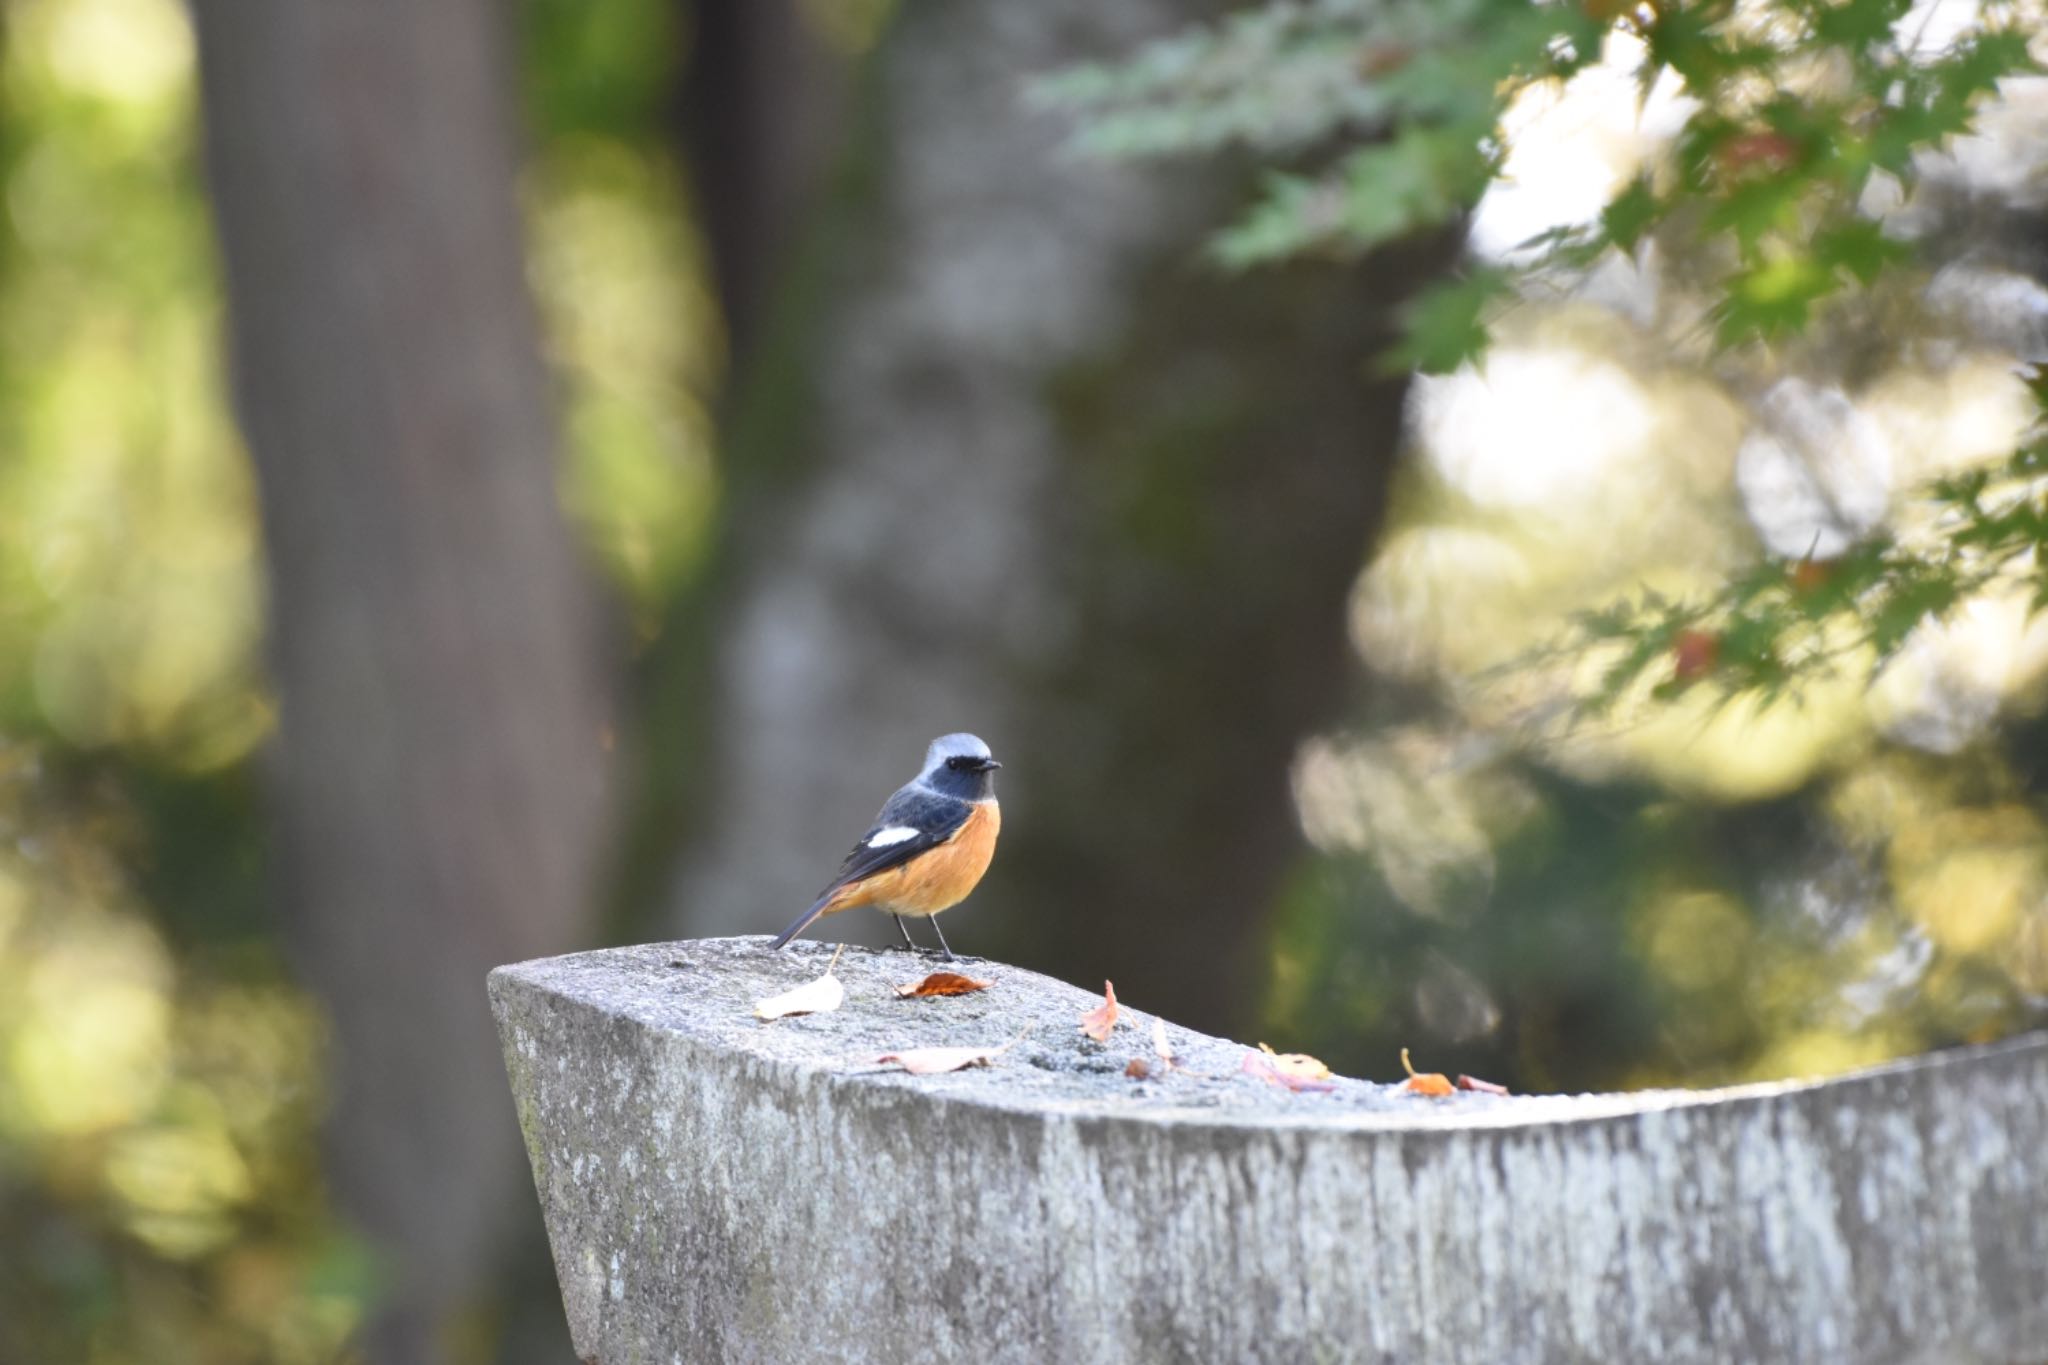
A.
pixel 894 834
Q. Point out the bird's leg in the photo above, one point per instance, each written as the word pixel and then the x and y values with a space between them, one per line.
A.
pixel 942 940
pixel 904 930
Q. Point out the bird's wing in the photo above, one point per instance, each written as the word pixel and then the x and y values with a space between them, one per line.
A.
pixel 911 822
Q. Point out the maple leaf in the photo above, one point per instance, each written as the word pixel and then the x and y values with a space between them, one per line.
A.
pixel 1097 1023
pixel 943 983
pixel 813 997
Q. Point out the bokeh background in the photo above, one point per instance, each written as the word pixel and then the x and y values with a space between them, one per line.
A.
pixel 480 481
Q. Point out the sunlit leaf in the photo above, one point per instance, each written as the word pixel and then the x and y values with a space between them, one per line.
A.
pixel 1097 1023
pixel 1445 325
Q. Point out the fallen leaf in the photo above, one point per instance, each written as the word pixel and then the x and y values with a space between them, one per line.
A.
pixel 943 983
pixel 1483 1087
pixel 932 1061
pixel 1097 1023
pixel 1299 1065
pixel 1137 1069
pixel 1425 1083
pixel 813 997
pixel 1159 1043
pixel 1260 1064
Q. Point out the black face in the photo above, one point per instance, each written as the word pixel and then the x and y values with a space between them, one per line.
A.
pixel 968 763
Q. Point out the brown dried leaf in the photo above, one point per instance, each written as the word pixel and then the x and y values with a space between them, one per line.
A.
pixel 1483 1087
pixel 1261 1064
pixel 1137 1069
pixel 933 1061
pixel 813 997
pixel 943 983
pixel 1097 1023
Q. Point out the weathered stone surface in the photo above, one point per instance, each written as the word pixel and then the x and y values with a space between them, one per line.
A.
pixel 720 1189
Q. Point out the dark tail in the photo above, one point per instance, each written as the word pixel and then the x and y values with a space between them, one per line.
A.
pixel 804 920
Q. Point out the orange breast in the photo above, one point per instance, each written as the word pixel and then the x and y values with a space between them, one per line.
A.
pixel 935 880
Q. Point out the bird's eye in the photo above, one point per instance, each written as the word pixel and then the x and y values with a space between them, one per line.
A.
pixel 959 761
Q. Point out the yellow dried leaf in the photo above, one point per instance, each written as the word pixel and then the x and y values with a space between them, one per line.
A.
pixel 1432 1083
pixel 1298 1065
pixel 1261 1065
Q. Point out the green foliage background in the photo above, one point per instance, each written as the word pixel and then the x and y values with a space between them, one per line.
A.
pixel 1634 810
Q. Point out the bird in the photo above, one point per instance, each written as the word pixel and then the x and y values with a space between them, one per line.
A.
pixel 928 846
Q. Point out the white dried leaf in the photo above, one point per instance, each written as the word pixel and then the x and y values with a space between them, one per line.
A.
pixel 931 1061
pixel 813 997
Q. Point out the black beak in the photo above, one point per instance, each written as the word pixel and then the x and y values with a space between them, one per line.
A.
pixel 986 764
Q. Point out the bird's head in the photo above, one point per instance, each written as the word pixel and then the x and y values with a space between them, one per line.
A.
pixel 960 765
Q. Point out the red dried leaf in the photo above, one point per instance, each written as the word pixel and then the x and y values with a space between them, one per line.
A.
pixel 1694 654
pixel 1097 1023
pixel 1483 1087
pixel 1810 575
pixel 1137 1069
pixel 943 983
pixel 1762 148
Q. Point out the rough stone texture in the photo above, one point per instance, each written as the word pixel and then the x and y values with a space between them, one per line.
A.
pixel 720 1189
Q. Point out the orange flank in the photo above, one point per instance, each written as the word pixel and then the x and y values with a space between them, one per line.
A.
pixel 932 881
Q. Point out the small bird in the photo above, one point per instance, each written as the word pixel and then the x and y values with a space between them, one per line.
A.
pixel 928 847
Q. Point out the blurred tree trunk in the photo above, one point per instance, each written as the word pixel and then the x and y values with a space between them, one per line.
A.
pixel 1026 467
pixel 760 113
pixel 439 769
